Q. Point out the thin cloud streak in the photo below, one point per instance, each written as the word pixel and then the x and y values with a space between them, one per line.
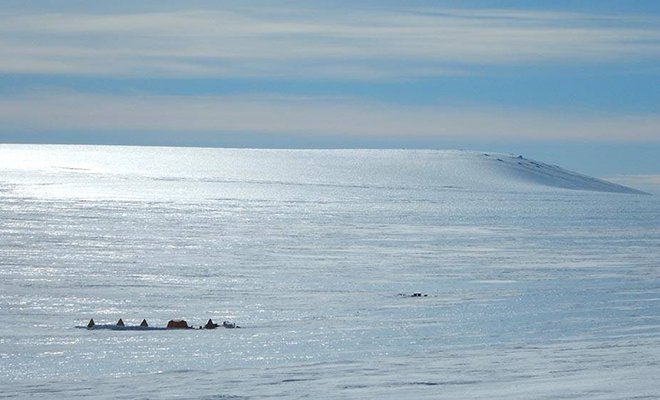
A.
pixel 637 179
pixel 310 115
pixel 648 183
pixel 308 43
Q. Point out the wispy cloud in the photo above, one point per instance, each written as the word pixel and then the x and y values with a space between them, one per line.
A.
pixel 636 179
pixel 309 43
pixel 313 115
pixel 649 183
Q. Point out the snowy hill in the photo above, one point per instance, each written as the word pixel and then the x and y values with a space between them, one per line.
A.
pixel 144 171
pixel 404 169
pixel 518 168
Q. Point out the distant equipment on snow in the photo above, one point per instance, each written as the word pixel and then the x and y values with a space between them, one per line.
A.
pixel 171 324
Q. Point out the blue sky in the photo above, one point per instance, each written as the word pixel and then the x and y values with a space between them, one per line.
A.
pixel 569 82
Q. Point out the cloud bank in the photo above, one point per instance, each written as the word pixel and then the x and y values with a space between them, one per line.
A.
pixel 314 46
pixel 314 43
pixel 313 115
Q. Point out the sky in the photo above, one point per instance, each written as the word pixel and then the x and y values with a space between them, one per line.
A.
pixel 575 83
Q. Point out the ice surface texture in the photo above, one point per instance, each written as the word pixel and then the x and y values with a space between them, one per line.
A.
pixel 534 290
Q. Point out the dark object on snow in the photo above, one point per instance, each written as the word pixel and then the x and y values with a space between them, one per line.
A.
pixel 177 324
pixel 211 325
pixel 144 326
pixel 415 294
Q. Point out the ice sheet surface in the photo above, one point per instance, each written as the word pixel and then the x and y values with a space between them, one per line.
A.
pixel 535 290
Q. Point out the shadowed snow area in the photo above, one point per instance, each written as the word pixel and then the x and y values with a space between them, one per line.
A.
pixel 530 290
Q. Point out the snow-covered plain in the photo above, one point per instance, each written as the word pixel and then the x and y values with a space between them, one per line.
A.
pixel 535 289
